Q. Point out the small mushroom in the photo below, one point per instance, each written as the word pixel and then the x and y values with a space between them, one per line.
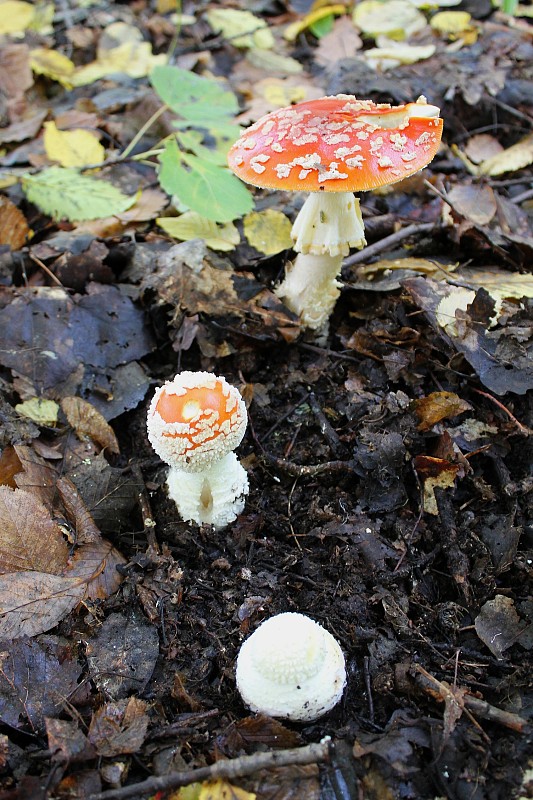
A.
pixel 291 667
pixel 332 147
pixel 194 423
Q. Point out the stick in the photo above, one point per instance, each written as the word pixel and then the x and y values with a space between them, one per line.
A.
pixel 378 247
pixel 232 768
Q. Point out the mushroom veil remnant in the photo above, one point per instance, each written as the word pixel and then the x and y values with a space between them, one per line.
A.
pixel 194 423
pixel 332 147
pixel 291 667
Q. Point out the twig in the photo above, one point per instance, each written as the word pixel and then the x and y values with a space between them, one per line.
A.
pixel 326 429
pixel 309 471
pixel 527 195
pixel 45 269
pixel 378 247
pixel 146 511
pixel 231 768
pixel 521 428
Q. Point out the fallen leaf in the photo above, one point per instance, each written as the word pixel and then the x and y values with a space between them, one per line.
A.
pixel 241 28
pixel 88 422
pixel 342 42
pixel 15 16
pixel 14 229
pixel 40 410
pixel 293 30
pixel 451 22
pixel 76 148
pixel 190 225
pixel 394 54
pixel 15 72
pixel 435 473
pixel 398 19
pixel 269 231
pixel 33 602
pixel 29 538
pixel 516 157
pixel 95 564
pixel 52 64
pixel 498 624
pixel 118 728
pixel 66 742
pixel 438 406
pixel 222 790
pixel 475 202
pixel 481 147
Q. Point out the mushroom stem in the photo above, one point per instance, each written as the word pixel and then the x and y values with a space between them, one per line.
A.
pixel 215 496
pixel 311 288
pixel 329 223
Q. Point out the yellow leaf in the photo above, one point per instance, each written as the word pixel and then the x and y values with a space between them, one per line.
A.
pixel 451 22
pixel 394 53
pixel 53 65
pixel 292 31
pixel 516 157
pixel 15 16
pixel 222 790
pixel 398 19
pixel 191 225
pixel 268 231
pixel 243 28
pixel 43 412
pixel 77 148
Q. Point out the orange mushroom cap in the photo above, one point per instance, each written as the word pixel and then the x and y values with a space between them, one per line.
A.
pixel 337 144
pixel 195 420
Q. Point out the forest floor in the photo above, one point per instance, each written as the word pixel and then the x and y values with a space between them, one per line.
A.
pixel 390 462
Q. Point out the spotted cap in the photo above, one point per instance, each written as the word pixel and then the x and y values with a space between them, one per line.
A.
pixel 196 419
pixel 337 144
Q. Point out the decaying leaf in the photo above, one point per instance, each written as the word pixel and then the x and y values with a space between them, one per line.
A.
pixel 451 22
pixel 87 421
pixel 15 16
pixel 191 225
pixel 67 742
pixel 498 624
pixel 437 406
pixel 40 410
pixel 53 64
pixel 474 202
pixel 435 473
pixel 269 231
pixel 310 20
pixel 516 157
pixel 398 19
pixel 242 28
pixel 14 229
pixel 29 538
pixel 120 727
pixel 221 789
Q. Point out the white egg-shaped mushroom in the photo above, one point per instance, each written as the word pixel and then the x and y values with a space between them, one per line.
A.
pixel 291 667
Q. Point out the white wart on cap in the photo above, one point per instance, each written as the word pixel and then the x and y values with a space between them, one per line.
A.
pixel 291 667
pixel 195 420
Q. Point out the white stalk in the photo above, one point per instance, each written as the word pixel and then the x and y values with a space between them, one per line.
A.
pixel 311 288
pixel 215 496
pixel 329 222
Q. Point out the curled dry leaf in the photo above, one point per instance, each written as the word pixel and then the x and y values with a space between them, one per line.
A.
pixel 437 406
pixel 87 421
pixel 14 230
pixel 119 727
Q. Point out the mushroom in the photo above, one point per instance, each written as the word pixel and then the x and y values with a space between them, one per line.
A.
pixel 291 667
pixel 332 147
pixel 194 423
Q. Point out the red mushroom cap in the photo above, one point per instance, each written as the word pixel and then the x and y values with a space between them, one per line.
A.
pixel 195 420
pixel 337 144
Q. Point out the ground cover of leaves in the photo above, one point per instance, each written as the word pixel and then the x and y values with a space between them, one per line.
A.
pixel 390 462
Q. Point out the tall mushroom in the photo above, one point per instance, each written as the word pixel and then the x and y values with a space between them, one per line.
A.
pixel 332 147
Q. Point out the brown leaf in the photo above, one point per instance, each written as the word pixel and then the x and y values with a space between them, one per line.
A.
pixel 250 733
pixel 34 602
pixel 437 406
pixel 482 147
pixel 475 202
pixel 498 624
pixel 37 474
pixel 15 71
pixel 119 727
pixel 83 523
pixel 96 565
pixel 14 229
pixel 435 473
pixel 87 421
pixel 29 538
pixel 67 742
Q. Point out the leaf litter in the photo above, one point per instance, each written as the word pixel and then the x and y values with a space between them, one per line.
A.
pixel 390 464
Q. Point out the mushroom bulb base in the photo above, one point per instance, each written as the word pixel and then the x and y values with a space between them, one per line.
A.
pixel 329 223
pixel 215 496
pixel 291 667
pixel 311 288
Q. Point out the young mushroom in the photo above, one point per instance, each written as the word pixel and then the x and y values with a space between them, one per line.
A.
pixel 332 147
pixel 194 423
pixel 291 667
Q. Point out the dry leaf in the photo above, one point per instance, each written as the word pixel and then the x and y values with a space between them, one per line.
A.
pixel 437 406
pixel 451 22
pixel 40 410
pixel 34 602
pixel 14 230
pixel 77 148
pixel 52 64
pixel 342 42
pixel 398 19
pixel 118 728
pixel 96 564
pixel 482 147
pixel 292 31
pixel 517 157
pixel 435 473
pixel 222 790
pixel 15 16
pixel 88 422
pixel 498 624
pixel 29 538
pixel 268 231
pixel 474 202
pixel 190 225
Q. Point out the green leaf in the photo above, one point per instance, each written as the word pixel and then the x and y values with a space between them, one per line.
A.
pixel 322 26
pixel 197 99
pixel 192 140
pixel 66 194
pixel 210 190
